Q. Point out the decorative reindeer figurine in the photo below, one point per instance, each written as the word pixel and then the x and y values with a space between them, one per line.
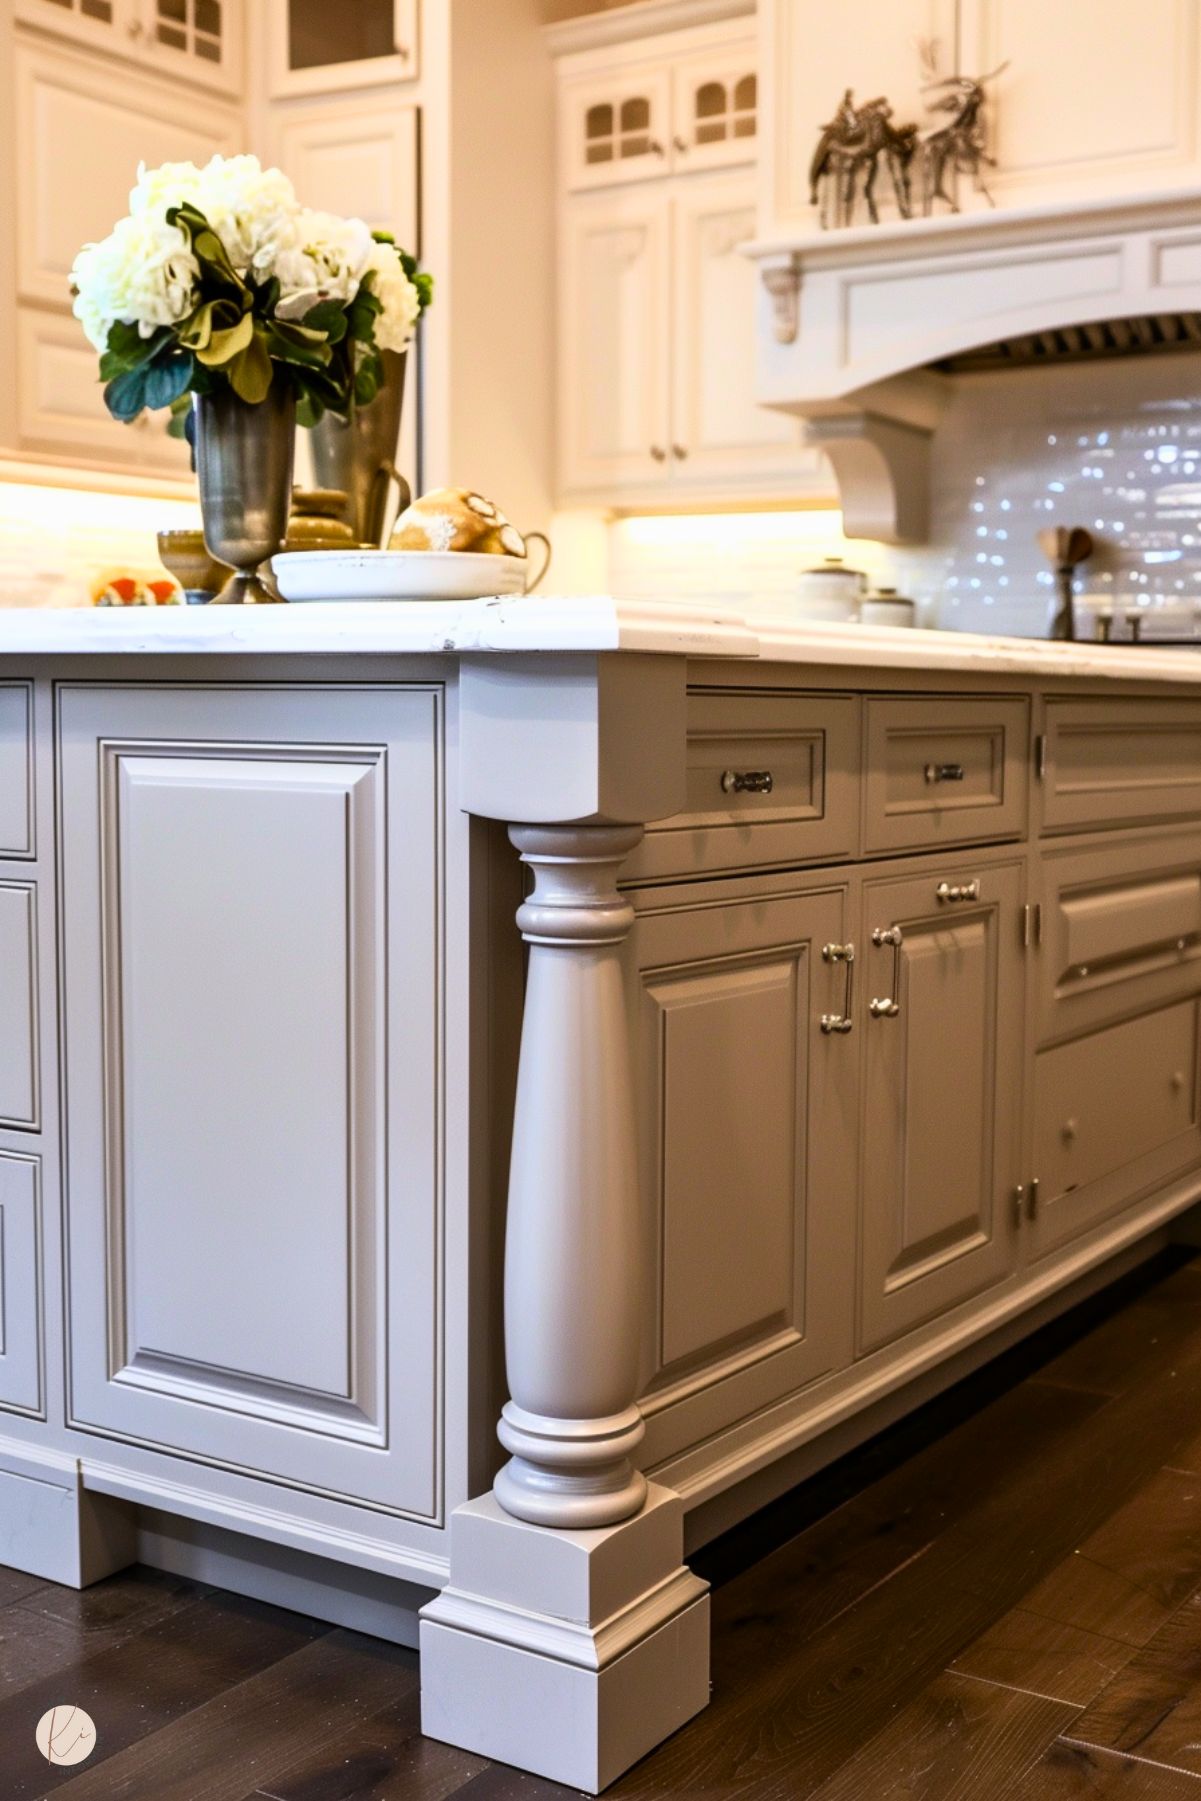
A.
pixel 851 144
pixel 960 147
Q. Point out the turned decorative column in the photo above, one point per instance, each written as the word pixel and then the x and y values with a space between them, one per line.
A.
pixel 572 1293
pixel 570 1638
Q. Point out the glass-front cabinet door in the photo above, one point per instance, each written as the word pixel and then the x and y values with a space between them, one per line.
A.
pixel 317 47
pixel 198 40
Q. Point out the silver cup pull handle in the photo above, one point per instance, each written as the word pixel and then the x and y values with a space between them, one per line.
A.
pixel 841 1022
pixel 747 781
pixel 889 1006
pixel 944 772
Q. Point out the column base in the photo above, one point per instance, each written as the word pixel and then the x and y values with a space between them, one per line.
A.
pixel 566 1653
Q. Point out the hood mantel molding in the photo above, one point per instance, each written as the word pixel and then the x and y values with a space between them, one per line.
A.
pixel 852 320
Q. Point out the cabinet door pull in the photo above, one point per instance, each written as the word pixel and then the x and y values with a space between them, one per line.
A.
pixel 891 1006
pixel 679 452
pixel 844 1021
pixel 1019 1203
pixel 680 143
pixel 1032 1204
pixel 658 452
pixel 944 772
pixel 957 891
pixel 747 781
pixel 656 148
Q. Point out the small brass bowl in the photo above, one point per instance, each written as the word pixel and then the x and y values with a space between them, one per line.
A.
pixel 183 554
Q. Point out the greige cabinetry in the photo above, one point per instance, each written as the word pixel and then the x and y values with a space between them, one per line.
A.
pixel 249 928
pixel 742 1092
pixel 943 1026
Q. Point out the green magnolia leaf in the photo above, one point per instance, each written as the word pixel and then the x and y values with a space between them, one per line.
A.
pixel 309 411
pixel 166 380
pixel 128 350
pixel 125 396
pixel 329 318
pixel 228 343
pixel 250 372
pixel 177 425
pixel 310 351
pixel 367 381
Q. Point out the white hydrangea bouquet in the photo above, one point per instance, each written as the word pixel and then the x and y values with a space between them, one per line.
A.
pixel 218 276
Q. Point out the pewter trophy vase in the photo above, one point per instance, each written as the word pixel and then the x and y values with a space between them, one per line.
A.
pixel 359 455
pixel 244 459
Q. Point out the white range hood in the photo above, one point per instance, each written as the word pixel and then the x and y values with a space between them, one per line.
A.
pixel 855 323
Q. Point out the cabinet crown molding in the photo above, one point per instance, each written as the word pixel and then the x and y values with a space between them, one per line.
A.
pixel 644 18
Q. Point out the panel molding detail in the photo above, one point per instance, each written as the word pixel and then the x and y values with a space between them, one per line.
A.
pixel 20 1032
pixel 251 891
pixel 144 791
pixel 21 1277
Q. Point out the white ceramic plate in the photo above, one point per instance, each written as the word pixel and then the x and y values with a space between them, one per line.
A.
pixel 396 575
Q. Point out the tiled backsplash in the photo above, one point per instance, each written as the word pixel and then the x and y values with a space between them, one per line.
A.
pixel 1112 446
pixel 55 542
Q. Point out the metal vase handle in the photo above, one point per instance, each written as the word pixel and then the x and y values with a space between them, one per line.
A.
pixel 377 505
pixel 537 538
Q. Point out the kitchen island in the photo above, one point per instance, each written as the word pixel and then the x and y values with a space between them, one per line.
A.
pixel 848 1027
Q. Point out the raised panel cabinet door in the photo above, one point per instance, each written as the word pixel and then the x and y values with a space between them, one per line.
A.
pixel 614 373
pixel 21 1348
pixel 718 433
pixel 83 133
pixel 1117 1113
pixel 250 966
pixel 95 24
pixel 747 1112
pixel 944 1041
pixel 16 769
pixel 60 404
pixel 1127 119
pixel 20 1106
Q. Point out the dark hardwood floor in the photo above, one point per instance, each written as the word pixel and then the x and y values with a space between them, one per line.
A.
pixel 1001 1597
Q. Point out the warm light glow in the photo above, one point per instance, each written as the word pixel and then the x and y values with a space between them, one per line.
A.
pixel 61 509
pixel 817 528
pixel 56 541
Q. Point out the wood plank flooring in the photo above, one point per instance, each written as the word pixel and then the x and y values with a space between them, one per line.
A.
pixel 1001 1597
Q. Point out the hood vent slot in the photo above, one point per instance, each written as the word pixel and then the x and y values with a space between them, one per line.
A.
pixel 1143 336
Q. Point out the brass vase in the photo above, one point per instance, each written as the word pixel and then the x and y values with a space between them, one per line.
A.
pixel 359 456
pixel 244 458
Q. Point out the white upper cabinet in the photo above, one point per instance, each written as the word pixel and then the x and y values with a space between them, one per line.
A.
pixel 718 432
pixel 196 40
pixel 616 126
pixel 316 48
pixel 83 135
pixel 615 426
pixel 715 108
pixel 1082 102
pixel 658 143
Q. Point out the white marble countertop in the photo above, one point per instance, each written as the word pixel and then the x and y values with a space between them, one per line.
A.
pixel 551 624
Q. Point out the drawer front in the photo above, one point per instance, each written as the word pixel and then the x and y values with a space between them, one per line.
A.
pixel 1109 762
pixel 944 772
pixel 20 1284
pixel 772 779
pixel 1120 931
pixel 1116 1112
pixel 16 769
pixel 18 1006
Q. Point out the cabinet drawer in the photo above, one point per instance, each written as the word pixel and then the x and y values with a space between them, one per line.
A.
pixel 733 819
pixel 1115 1112
pixel 1111 761
pixel 944 772
pixel 18 1006
pixel 1120 931
pixel 20 1284
pixel 16 769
